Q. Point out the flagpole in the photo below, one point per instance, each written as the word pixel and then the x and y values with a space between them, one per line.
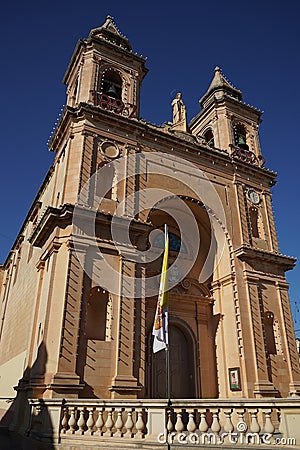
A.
pixel 168 359
pixel 167 348
pixel 168 386
pixel 160 326
pixel 168 373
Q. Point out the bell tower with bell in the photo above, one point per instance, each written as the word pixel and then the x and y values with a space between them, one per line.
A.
pixel 228 127
pixel 105 72
pixel 225 121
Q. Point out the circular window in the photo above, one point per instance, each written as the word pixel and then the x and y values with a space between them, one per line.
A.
pixel 110 149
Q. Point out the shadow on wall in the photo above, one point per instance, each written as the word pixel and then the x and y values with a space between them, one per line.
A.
pixel 24 427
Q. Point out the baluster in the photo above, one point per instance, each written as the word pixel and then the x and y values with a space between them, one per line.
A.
pixel 119 424
pixel 280 422
pixel 269 427
pixel 203 425
pixel 170 426
pixel 140 426
pixel 228 425
pixel 179 427
pixel 191 426
pixel 81 422
pixel 100 422
pixel 109 423
pixel 91 422
pixel 72 421
pixel 241 425
pixel 37 409
pixel 215 426
pixel 254 425
pixel 64 422
pixel 129 424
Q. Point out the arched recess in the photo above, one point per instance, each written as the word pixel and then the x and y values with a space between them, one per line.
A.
pixel 192 321
pixel 183 375
pixel 270 343
pixel 253 215
pixel 105 181
pixel 96 314
pixel 240 135
pixel 209 137
pixel 268 320
pixel 111 83
pixel 95 370
pixel 186 256
pixel 222 314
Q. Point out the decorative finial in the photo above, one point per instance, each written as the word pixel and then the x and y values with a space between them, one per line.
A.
pixel 217 69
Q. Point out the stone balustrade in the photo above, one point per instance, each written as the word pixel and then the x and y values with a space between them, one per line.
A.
pixel 133 423
pixel 108 421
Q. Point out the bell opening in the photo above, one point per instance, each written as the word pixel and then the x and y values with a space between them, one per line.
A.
pixel 112 84
pixel 242 143
pixel 240 136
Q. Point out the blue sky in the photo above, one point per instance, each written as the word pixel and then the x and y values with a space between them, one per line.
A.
pixel 256 44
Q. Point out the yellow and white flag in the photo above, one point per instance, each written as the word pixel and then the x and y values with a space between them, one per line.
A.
pixel 160 326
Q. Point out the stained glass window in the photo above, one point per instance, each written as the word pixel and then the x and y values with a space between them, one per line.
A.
pixel 174 243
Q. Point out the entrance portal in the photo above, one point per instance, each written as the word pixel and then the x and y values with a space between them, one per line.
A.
pixel 182 367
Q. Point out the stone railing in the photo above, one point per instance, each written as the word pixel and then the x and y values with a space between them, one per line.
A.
pixel 130 423
pixel 247 156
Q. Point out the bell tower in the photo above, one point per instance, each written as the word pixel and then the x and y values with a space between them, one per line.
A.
pixel 105 72
pixel 225 121
pixel 229 128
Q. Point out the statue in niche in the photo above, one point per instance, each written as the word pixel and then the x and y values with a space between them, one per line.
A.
pixel 179 113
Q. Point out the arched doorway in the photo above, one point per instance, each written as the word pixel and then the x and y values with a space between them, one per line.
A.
pixel 182 366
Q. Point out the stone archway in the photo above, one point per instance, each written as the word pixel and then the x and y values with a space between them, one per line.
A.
pixel 183 383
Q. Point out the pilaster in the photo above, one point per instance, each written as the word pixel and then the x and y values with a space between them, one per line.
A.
pixel 243 221
pixel 262 385
pixel 228 333
pixel 270 221
pixel 124 381
pixel 140 333
pixel 74 168
pixel 88 167
pixel 86 77
pixel 66 379
pixel 289 339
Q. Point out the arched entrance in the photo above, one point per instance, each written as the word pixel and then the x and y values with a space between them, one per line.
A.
pixel 183 383
pixel 192 325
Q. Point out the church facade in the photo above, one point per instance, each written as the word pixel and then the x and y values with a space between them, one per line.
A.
pixel 80 285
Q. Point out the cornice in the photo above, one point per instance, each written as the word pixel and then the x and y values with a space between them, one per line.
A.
pixel 80 43
pixel 28 217
pixel 265 276
pixel 48 221
pixel 129 54
pixel 160 138
pixel 246 253
pixel 55 216
pixel 218 101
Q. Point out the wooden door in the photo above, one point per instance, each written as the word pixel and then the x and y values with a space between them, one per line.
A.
pixel 182 367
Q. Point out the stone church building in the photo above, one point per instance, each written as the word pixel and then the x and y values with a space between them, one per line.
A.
pixel 80 284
